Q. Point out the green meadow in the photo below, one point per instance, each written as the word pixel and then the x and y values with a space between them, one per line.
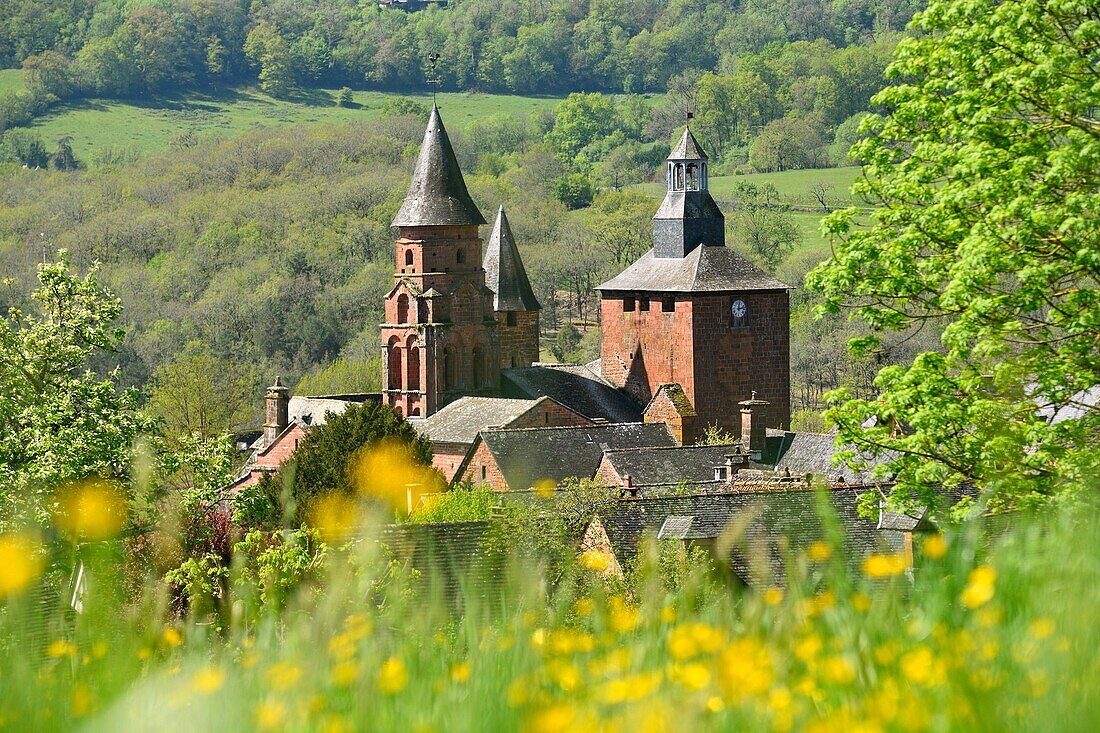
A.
pixel 142 127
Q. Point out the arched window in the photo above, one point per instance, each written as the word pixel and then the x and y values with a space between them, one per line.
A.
pixel 479 366
pixel 413 348
pixel 402 308
pixel 394 352
pixel 679 184
pixel 692 178
pixel 450 377
pixel 408 258
pixel 415 412
pixel 460 256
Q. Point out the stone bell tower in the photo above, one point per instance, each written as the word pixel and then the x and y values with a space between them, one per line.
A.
pixel 439 340
pixel 693 312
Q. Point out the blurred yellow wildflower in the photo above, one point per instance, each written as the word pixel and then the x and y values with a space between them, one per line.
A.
pixel 839 670
pixel 773 596
pixel 1041 628
pixel 935 546
pixel 745 669
pixel 715 704
pixel 808 647
pixel 630 688
pixel 563 674
pixel 544 488
pixel 595 560
pixel 388 471
pixel 61 648
pixel 693 676
pixel 345 673
pixel 559 717
pixel 819 551
pixel 208 680
pixel 80 702
pixel 21 562
pixel 884 566
pixel 980 587
pixel 90 510
pixel 668 615
pixel 335 516
pixel 861 602
pixel 583 606
pixel 283 675
pixel 393 676
pixel 919 666
pixel 270 714
pixel 172 636
pixel 460 672
pixel 624 618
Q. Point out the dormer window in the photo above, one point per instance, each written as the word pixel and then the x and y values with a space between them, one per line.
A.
pixel 721 473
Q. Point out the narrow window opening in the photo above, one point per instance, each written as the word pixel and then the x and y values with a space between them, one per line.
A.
pixel 628 305
pixel 643 304
pixel 668 305
pixel 408 257
pixel 484 473
pixel 460 256
pixel 511 318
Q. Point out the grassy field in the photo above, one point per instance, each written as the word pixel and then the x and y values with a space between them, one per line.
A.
pixel 10 80
pixel 144 127
pixel 793 186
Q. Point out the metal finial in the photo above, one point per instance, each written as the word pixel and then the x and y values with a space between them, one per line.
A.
pixel 754 394
pixel 435 81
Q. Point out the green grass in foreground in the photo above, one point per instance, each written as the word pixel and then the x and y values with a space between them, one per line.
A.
pixel 147 126
pixel 992 634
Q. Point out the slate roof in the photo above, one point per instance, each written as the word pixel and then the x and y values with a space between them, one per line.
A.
pixel 768 516
pixel 451 556
pixel 313 410
pixel 688 148
pixel 804 453
pixel 575 386
pixel 704 269
pixel 527 456
pixel 437 193
pixel 463 419
pixel 504 273
pixel 690 205
pixel 689 464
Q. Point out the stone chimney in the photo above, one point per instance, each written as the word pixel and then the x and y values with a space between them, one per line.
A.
pixel 277 408
pixel 753 433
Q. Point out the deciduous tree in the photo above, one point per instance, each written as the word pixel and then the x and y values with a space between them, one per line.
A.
pixel 987 162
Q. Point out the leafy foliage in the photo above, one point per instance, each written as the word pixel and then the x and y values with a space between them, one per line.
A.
pixel 986 164
pixel 328 453
pixel 59 421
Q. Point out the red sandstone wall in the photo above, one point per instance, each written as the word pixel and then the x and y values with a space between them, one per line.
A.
pixel 730 363
pixel 519 344
pixel 548 414
pixel 641 350
pixel 484 470
pixel 718 366
pixel 447 457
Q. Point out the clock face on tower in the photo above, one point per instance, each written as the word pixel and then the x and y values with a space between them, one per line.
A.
pixel 739 314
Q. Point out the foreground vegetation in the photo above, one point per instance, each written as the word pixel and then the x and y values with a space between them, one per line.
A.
pixel 992 633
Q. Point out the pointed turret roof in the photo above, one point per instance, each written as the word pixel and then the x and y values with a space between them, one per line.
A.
pixel 688 148
pixel 437 194
pixel 504 273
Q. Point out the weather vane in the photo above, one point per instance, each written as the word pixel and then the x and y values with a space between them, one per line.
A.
pixel 434 80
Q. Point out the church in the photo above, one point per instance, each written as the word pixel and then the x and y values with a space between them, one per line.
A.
pixel 462 320
pixel 693 336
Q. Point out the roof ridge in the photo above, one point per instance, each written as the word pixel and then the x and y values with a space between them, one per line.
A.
pixel 569 427
pixel 672 447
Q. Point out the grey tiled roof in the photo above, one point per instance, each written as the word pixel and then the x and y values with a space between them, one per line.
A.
pixel 504 273
pixel 575 386
pixel 768 517
pixel 689 464
pixel 461 420
pixel 704 269
pixel 452 557
pixel 688 148
pixel 437 193
pixel 527 456
pixel 813 453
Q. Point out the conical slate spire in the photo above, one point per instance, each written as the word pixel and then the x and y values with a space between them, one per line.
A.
pixel 437 194
pixel 688 148
pixel 504 273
